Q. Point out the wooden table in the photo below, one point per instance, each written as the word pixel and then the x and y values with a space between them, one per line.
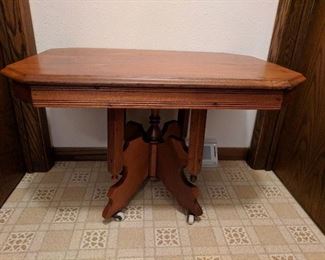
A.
pixel 119 79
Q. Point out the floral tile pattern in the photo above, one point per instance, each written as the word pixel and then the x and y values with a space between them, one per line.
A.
pixel 100 193
pixel 218 192
pixel 255 210
pixel 94 239
pixel 28 178
pixel 66 214
pixel 236 236
pixel 302 234
pixel 5 215
pixel 271 191
pixel 44 194
pixel 282 257
pixel 80 177
pixel 18 242
pixel 166 237
pixel 235 174
pixel 57 215
pixel 133 213
pixel 160 192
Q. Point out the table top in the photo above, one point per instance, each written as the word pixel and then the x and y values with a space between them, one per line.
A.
pixel 117 78
pixel 150 68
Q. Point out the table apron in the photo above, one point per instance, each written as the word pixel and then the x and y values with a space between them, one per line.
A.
pixel 266 100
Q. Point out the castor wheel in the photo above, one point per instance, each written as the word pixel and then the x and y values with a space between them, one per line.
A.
pixel 193 178
pixel 190 219
pixel 119 216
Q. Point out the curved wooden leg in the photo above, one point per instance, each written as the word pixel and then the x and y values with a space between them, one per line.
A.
pixel 135 172
pixel 171 128
pixel 133 130
pixel 172 159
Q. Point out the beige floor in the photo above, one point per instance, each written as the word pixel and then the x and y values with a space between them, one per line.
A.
pixel 247 215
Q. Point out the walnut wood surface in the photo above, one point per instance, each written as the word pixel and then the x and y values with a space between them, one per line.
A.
pixel 135 161
pixel 142 98
pixel 144 157
pixel 114 67
pixel 119 78
pixel 300 156
pixel 170 171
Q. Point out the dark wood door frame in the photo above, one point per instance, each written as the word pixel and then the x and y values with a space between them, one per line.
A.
pixel 300 156
pixel 17 42
pixel 289 34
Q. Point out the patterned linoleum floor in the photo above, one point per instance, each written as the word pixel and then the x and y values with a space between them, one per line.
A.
pixel 247 215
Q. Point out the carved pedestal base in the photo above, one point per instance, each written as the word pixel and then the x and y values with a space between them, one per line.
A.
pixel 152 154
pixel 135 172
pixel 172 159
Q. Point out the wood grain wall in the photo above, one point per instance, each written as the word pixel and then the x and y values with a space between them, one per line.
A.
pixel 300 155
pixel 12 166
pixel 289 35
pixel 292 141
pixel 17 42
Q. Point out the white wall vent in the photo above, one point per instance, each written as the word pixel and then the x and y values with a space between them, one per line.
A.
pixel 210 153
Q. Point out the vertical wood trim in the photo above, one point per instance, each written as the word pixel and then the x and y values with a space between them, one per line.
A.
pixel 19 43
pixel 196 140
pixel 289 34
pixel 12 167
pixel 299 161
pixel 115 140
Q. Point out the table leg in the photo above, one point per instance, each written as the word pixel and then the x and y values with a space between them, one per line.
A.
pixel 183 119
pixel 196 142
pixel 115 141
